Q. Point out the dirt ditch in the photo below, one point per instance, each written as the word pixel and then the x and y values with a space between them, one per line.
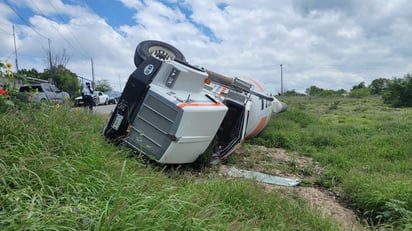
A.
pixel 278 162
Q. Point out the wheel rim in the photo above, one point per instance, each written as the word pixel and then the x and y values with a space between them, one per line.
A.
pixel 161 53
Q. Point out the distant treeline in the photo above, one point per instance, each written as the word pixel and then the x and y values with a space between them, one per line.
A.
pixel 63 78
pixel 396 92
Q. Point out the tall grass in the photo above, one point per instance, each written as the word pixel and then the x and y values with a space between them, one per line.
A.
pixel 365 147
pixel 58 173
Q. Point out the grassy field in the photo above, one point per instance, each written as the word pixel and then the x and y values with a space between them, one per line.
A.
pixel 58 173
pixel 365 147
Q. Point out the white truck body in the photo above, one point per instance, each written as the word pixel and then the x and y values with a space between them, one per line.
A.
pixel 172 111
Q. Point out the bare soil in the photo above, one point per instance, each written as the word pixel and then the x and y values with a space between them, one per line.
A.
pixel 278 162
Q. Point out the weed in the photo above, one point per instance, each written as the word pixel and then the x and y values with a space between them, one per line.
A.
pixel 334 106
pixel 363 145
pixel 58 173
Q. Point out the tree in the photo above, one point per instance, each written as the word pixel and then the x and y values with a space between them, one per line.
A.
pixel 103 85
pixel 57 59
pixel 360 92
pixel 292 93
pixel 63 79
pixel 316 91
pixel 399 92
pixel 378 86
pixel 361 85
pixel 30 73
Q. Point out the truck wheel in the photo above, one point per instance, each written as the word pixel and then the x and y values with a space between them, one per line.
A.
pixel 158 49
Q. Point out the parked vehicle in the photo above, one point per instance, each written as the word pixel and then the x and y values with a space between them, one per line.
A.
pixel 114 96
pixel 98 97
pixel 42 92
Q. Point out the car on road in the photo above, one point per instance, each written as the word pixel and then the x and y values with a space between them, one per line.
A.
pixel 114 96
pixel 42 92
pixel 98 97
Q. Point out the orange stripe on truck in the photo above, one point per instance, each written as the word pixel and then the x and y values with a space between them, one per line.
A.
pixel 182 105
pixel 258 85
pixel 258 128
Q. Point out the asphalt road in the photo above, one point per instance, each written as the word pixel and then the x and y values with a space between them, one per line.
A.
pixel 104 109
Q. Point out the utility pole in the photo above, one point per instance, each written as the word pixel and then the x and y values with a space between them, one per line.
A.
pixel 93 84
pixel 15 49
pixel 50 58
pixel 51 78
pixel 281 80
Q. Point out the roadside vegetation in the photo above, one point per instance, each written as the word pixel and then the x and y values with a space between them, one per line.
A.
pixel 365 147
pixel 58 173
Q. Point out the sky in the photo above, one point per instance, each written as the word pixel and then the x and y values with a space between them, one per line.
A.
pixel 330 44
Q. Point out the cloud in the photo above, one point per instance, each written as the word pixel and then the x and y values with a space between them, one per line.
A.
pixel 329 44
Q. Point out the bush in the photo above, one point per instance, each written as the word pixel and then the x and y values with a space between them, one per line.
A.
pixel 360 93
pixel 399 92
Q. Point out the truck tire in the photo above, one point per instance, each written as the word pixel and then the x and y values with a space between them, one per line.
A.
pixel 158 49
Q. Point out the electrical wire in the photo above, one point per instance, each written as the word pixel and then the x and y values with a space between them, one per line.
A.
pixel 57 30
pixel 24 20
pixel 70 31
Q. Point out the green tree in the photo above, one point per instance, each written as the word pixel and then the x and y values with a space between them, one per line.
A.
pixel 292 93
pixel 361 85
pixel 360 92
pixel 103 85
pixel 63 78
pixel 316 91
pixel 313 90
pixel 399 92
pixel 29 73
pixel 378 86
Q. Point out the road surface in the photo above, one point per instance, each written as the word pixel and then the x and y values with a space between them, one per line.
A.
pixel 104 109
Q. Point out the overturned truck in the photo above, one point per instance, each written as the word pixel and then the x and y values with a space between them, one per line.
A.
pixel 172 111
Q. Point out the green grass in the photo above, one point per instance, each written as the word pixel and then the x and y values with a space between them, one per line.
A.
pixel 58 173
pixel 364 146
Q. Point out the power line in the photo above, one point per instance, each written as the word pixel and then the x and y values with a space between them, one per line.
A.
pixel 56 29
pixel 25 22
pixel 70 31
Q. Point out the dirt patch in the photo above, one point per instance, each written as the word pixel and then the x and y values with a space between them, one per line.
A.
pixel 329 206
pixel 278 162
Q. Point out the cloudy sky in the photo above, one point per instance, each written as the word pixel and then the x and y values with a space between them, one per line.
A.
pixel 331 44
